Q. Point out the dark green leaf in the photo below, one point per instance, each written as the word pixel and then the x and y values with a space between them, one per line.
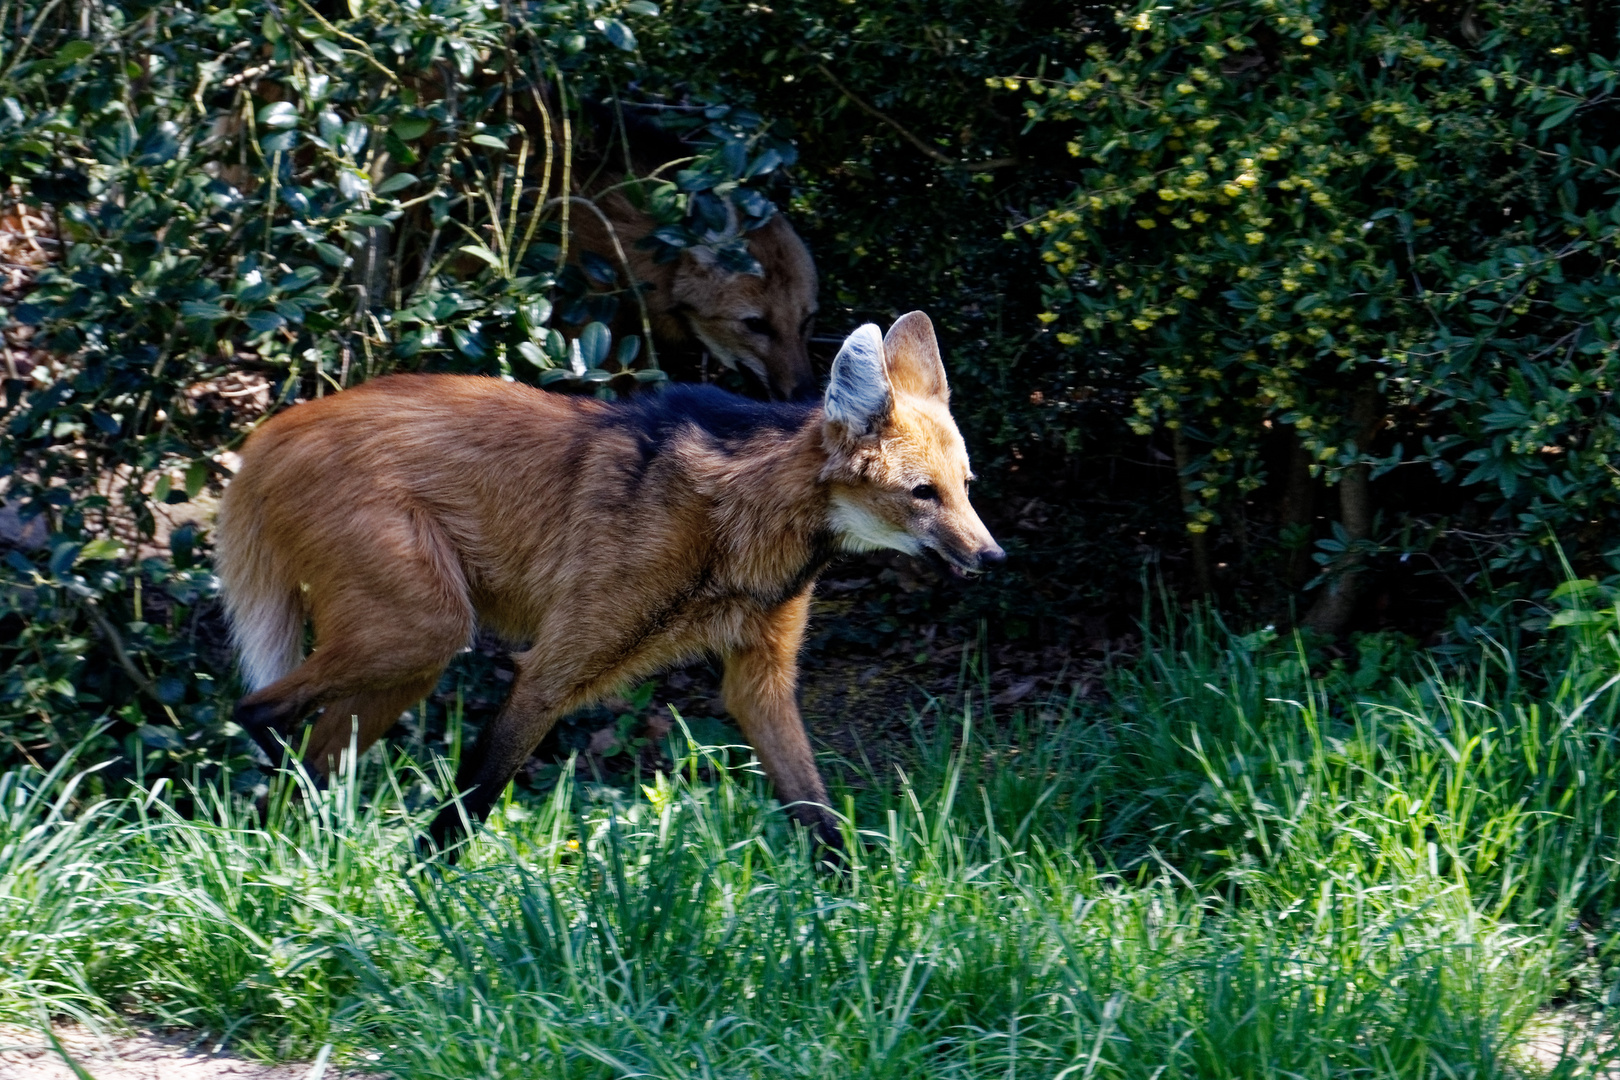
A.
pixel 594 342
pixel 278 114
pixel 411 128
pixel 264 322
pixel 620 35
pixel 397 182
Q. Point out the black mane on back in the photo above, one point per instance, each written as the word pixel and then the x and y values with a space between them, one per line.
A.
pixel 725 417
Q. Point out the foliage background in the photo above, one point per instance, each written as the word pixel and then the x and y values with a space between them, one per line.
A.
pixel 1309 306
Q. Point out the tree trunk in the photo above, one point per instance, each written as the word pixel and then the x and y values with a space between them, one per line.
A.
pixel 1195 540
pixel 1337 601
pixel 1298 513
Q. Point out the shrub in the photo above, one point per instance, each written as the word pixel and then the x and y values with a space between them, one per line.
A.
pixel 1393 234
pixel 259 203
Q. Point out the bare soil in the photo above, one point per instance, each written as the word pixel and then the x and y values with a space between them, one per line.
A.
pixel 25 1054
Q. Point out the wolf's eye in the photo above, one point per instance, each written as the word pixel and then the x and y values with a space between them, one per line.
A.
pixel 757 325
pixel 925 492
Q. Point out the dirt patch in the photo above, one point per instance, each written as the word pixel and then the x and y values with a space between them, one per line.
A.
pixel 1559 1036
pixel 25 1054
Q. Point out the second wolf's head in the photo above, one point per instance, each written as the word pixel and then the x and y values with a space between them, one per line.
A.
pixel 897 468
pixel 757 322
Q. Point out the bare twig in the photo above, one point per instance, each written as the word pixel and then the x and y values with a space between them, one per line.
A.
pixel 116 643
pixel 931 152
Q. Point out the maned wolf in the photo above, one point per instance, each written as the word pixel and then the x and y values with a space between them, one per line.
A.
pixel 757 322
pixel 610 539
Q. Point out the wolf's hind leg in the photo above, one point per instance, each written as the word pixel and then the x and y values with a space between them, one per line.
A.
pixel 386 625
pixel 536 702
pixel 364 717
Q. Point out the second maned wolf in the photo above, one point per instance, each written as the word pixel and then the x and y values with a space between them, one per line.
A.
pixel 611 539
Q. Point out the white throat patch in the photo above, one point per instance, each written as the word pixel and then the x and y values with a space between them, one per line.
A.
pixel 858 529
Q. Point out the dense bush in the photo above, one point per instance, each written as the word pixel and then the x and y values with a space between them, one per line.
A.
pixel 258 204
pixel 1394 234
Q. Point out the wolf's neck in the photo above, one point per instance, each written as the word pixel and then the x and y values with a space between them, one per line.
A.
pixel 771 514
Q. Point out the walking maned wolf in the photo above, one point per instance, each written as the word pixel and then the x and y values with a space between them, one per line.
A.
pixel 611 539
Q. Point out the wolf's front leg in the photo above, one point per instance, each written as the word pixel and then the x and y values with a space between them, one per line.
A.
pixel 761 691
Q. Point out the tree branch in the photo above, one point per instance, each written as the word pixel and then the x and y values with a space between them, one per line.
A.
pixel 116 643
pixel 928 151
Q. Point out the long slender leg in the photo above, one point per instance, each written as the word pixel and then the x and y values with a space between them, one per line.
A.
pixel 533 707
pixel 761 691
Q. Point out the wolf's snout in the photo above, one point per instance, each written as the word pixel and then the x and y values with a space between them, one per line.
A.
pixel 991 556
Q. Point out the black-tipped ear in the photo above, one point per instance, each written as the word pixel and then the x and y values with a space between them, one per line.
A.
pixel 912 353
pixel 858 395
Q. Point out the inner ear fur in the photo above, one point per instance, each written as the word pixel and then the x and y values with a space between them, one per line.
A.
pixel 912 354
pixel 859 398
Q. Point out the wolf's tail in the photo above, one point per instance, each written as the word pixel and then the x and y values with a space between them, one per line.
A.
pixel 265 608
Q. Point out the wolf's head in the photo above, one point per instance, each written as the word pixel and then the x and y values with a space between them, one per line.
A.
pixel 758 322
pixel 897 469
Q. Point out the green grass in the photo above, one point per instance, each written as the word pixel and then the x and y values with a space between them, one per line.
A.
pixel 1228 869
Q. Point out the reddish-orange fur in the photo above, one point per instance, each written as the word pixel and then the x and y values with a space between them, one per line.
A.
pixel 400 515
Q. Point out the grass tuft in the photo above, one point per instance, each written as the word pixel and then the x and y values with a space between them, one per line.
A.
pixel 1240 864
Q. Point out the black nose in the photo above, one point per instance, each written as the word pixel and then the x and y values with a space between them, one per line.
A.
pixel 992 556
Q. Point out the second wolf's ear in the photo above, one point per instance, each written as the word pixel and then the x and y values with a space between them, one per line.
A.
pixel 858 395
pixel 912 353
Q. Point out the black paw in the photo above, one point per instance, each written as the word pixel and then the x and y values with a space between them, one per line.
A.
pixel 831 854
pixel 445 837
pixel 257 715
pixel 263 721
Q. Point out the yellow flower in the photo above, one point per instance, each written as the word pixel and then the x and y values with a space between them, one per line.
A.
pixel 1197 526
pixel 1141 324
pixel 1309 40
pixel 1143 21
pixel 1254 236
pixel 1232 190
pixel 1068 338
pixel 1146 223
pixel 1074 149
pixel 1199 216
pixel 1047 317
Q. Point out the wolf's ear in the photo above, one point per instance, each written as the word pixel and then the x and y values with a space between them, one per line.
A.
pixel 913 359
pixel 858 394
